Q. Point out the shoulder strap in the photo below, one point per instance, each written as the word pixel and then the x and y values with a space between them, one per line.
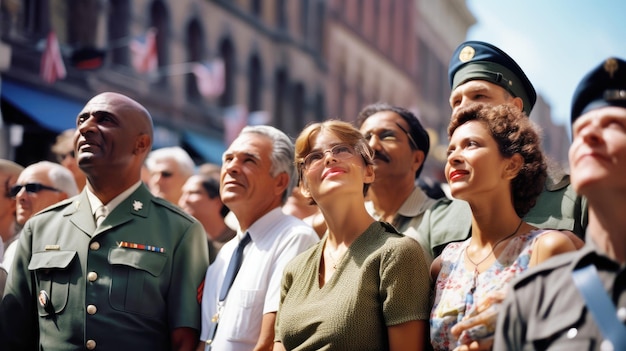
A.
pixel 601 307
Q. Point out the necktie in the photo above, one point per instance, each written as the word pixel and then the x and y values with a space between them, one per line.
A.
pixel 231 273
pixel 233 266
pixel 101 213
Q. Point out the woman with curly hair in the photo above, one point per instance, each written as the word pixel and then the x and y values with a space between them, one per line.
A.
pixel 495 163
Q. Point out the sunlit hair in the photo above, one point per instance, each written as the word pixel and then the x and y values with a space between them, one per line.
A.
pixel 12 171
pixel 515 134
pixel 282 153
pixel 344 131
pixel 176 153
pixel 60 177
pixel 212 188
pixel 64 140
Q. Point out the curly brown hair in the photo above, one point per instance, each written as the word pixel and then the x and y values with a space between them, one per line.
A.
pixel 515 134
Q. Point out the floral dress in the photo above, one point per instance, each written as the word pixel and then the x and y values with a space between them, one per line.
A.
pixel 455 282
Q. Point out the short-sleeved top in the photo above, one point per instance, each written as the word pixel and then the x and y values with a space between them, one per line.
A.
pixel 559 320
pixel 409 217
pixel 125 285
pixel 276 239
pixel 558 207
pixel 455 281
pixel 381 281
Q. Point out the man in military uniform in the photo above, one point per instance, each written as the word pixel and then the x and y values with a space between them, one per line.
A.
pixel 580 290
pixel 482 73
pixel 126 280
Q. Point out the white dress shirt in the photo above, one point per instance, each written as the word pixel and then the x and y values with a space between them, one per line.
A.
pixel 276 239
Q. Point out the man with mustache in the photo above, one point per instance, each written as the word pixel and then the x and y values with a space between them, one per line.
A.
pixel 400 145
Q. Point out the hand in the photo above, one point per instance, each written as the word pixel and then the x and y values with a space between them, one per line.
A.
pixel 475 331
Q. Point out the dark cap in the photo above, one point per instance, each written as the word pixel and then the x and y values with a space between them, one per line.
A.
pixel 477 60
pixel 604 86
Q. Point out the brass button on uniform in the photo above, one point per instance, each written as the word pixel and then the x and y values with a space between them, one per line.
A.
pixel 621 314
pixel 94 245
pixel 92 309
pixel 92 276
pixel 90 344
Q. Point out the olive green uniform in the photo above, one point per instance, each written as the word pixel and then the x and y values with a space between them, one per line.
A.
pixel 558 207
pixel 74 286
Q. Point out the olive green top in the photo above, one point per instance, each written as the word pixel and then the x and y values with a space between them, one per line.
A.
pixel 381 281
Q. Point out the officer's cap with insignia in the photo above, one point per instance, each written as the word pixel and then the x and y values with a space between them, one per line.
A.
pixel 477 60
pixel 603 86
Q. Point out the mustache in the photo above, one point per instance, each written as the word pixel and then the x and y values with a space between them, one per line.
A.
pixel 381 156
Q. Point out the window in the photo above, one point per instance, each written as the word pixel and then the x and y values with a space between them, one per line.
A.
pixel 119 15
pixel 160 21
pixel 254 84
pixel 256 7
pixel 280 96
pixel 227 52
pixel 281 14
pixel 304 20
pixel 194 54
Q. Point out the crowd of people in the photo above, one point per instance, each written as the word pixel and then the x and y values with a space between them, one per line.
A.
pixel 331 242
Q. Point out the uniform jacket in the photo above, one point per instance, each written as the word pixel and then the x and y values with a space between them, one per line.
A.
pixel 122 286
pixel 558 207
pixel 546 311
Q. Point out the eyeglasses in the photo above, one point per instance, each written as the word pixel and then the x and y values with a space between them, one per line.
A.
pixel 315 159
pixel 30 188
pixel 62 157
pixel 390 135
pixel 411 140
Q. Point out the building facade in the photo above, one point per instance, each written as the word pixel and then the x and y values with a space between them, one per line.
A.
pixel 285 63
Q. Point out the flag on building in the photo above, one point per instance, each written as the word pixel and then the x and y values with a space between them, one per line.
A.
pixel 144 52
pixel 234 118
pixel 52 66
pixel 210 77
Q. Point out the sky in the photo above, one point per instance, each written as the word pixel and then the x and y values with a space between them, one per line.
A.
pixel 556 42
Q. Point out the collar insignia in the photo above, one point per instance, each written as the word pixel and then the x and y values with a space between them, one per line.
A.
pixel 137 205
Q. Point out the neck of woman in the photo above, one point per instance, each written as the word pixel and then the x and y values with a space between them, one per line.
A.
pixel 346 223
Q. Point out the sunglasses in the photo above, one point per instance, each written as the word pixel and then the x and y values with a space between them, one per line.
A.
pixel 31 188
pixel 163 174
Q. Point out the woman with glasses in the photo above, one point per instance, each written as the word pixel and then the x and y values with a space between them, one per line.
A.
pixel 364 286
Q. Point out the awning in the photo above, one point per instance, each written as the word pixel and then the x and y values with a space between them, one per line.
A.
pixel 209 148
pixel 50 111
